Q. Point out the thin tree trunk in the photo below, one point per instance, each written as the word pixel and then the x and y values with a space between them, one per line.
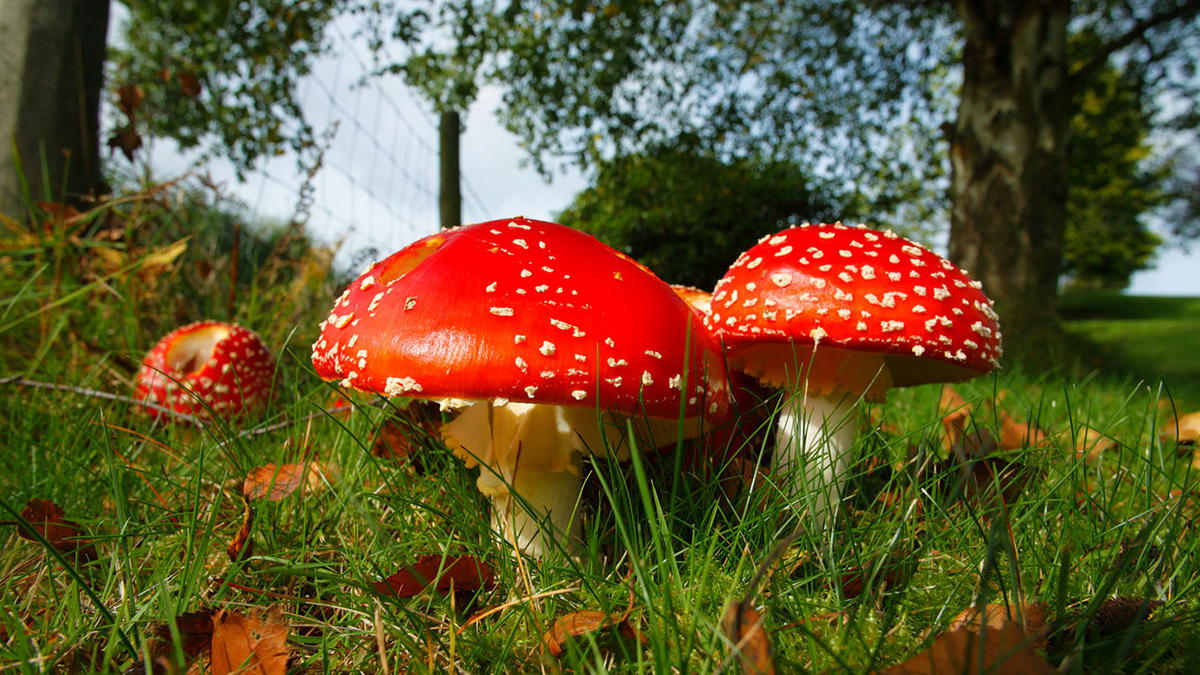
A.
pixel 51 73
pixel 1009 161
pixel 450 194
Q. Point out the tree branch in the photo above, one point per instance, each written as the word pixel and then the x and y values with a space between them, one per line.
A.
pixel 1137 32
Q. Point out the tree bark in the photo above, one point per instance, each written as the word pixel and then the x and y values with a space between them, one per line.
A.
pixel 1009 161
pixel 450 192
pixel 51 72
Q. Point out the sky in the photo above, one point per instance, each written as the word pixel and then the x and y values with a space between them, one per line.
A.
pixel 378 188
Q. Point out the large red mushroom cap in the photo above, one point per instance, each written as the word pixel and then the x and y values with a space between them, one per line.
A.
pixel 527 311
pixel 852 289
pixel 533 328
pixel 207 365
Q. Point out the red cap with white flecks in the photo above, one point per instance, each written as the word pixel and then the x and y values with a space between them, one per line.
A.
pixel 522 310
pixel 207 365
pixel 857 289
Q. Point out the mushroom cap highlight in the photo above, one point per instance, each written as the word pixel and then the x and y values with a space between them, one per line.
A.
pixel 861 290
pixel 207 365
pixel 527 311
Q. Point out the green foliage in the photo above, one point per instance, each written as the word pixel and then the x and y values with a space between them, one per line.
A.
pixel 1113 188
pixel 921 537
pixel 688 215
pixel 818 83
pixel 223 74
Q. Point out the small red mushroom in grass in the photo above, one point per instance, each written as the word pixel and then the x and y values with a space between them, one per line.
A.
pixel 528 329
pixel 206 368
pixel 835 315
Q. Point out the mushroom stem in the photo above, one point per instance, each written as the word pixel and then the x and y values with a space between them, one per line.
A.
pixel 812 450
pixel 543 509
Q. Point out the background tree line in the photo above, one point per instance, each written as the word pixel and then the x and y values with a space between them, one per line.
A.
pixel 1028 126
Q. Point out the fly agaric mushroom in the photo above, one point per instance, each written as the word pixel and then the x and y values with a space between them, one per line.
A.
pixel 837 314
pixel 207 366
pixel 547 340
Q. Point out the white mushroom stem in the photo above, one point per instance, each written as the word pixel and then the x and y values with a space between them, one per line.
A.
pixel 534 451
pixel 812 451
pixel 546 511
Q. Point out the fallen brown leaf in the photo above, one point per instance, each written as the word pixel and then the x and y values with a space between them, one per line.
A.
pixel 240 546
pixel 1090 443
pixel 1031 617
pixel 1015 435
pixel 955 414
pixel 195 636
pixel 1184 430
pixel 462 574
pixel 743 626
pixel 49 520
pixel 252 645
pixel 273 482
pixel 583 622
pixel 997 651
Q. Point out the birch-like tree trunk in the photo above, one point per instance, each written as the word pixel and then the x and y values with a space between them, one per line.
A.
pixel 51 73
pixel 1009 159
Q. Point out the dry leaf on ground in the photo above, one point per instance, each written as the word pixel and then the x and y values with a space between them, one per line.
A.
pixel 585 622
pixel 1184 430
pixel 253 645
pixel 273 482
pixel 998 651
pixel 49 519
pixel 195 636
pixel 1015 435
pixel 743 626
pixel 1090 443
pixel 462 574
pixel 1031 617
pixel 240 546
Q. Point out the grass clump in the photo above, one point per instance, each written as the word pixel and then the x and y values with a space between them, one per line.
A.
pixel 931 524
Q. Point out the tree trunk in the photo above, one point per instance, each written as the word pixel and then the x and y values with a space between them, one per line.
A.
pixel 450 192
pixel 1009 161
pixel 51 73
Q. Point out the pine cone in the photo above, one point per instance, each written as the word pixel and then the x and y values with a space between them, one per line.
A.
pixel 1119 614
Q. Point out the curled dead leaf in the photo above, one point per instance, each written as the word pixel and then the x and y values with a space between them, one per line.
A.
pixel 240 547
pixel 1184 430
pixel 1015 435
pixel 195 630
pixel 444 573
pixel 743 626
pixel 1090 443
pixel 1000 651
pixel 49 520
pixel 1031 617
pixel 254 644
pixel 584 622
pixel 273 482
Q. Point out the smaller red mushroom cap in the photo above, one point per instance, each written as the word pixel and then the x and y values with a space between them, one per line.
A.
pixel 527 311
pixel 859 289
pixel 207 365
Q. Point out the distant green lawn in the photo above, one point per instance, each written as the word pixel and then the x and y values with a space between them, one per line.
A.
pixel 1142 336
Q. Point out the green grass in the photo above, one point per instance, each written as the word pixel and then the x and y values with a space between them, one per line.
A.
pixel 1141 337
pixel 161 502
